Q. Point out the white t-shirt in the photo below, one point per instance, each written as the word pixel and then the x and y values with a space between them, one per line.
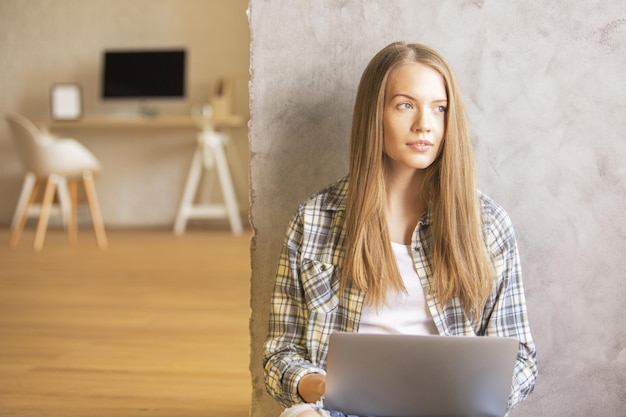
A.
pixel 402 313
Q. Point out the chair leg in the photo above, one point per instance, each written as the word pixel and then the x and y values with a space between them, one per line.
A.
pixel 25 196
pixel 64 199
pixel 20 217
pixel 94 209
pixel 48 196
pixel 72 218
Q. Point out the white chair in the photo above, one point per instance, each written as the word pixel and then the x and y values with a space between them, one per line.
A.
pixel 59 164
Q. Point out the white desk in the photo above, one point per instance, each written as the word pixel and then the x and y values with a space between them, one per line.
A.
pixel 143 122
pixel 209 155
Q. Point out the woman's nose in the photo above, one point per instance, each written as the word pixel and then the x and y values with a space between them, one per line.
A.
pixel 422 121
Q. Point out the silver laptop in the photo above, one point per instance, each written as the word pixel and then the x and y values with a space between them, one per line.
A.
pixel 419 376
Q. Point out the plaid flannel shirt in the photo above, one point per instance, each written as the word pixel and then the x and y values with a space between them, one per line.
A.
pixel 306 305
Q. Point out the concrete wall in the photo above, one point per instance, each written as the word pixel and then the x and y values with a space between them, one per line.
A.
pixel 43 42
pixel 545 90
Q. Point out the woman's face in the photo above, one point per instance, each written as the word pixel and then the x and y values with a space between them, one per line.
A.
pixel 414 117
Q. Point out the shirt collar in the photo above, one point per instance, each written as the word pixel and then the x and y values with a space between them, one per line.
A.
pixel 425 219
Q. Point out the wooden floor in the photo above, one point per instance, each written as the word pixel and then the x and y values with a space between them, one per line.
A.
pixel 155 325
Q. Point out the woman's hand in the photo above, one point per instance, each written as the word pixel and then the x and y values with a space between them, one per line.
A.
pixel 311 387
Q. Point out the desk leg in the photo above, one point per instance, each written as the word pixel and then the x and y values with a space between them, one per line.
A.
pixel 191 186
pixel 208 155
pixel 228 190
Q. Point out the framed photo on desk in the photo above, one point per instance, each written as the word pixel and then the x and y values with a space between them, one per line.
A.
pixel 66 102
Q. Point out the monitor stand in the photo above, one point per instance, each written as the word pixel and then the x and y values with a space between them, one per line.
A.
pixel 145 110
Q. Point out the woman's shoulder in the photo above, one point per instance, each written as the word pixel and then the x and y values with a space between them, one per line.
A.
pixel 495 218
pixel 321 216
pixel 332 197
pixel 489 206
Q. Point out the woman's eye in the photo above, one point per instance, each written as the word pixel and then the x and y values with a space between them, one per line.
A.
pixel 405 106
pixel 441 109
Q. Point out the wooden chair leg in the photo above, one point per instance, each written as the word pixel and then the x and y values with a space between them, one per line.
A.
pixel 94 209
pixel 20 221
pixel 72 218
pixel 48 196
pixel 25 194
pixel 63 195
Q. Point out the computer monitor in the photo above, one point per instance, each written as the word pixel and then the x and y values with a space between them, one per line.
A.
pixel 143 74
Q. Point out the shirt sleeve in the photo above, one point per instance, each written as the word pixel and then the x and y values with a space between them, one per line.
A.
pixel 505 312
pixel 285 356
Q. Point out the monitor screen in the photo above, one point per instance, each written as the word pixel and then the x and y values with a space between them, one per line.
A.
pixel 144 74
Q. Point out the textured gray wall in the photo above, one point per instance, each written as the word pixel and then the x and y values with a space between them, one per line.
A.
pixel 544 85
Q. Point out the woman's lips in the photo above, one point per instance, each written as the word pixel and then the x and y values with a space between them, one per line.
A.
pixel 420 145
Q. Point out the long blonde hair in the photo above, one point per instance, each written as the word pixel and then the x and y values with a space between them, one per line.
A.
pixel 459 261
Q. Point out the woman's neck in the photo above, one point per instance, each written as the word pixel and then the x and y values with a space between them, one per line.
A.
pixel 405 205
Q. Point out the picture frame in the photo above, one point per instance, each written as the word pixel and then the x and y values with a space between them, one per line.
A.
pixel 66 101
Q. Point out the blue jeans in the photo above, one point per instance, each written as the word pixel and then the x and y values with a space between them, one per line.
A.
pixel 340 414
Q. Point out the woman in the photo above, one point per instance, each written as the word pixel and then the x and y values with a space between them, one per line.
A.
pixel 403 244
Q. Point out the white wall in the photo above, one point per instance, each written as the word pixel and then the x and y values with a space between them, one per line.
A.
pixel 544 87
pixel 43 42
